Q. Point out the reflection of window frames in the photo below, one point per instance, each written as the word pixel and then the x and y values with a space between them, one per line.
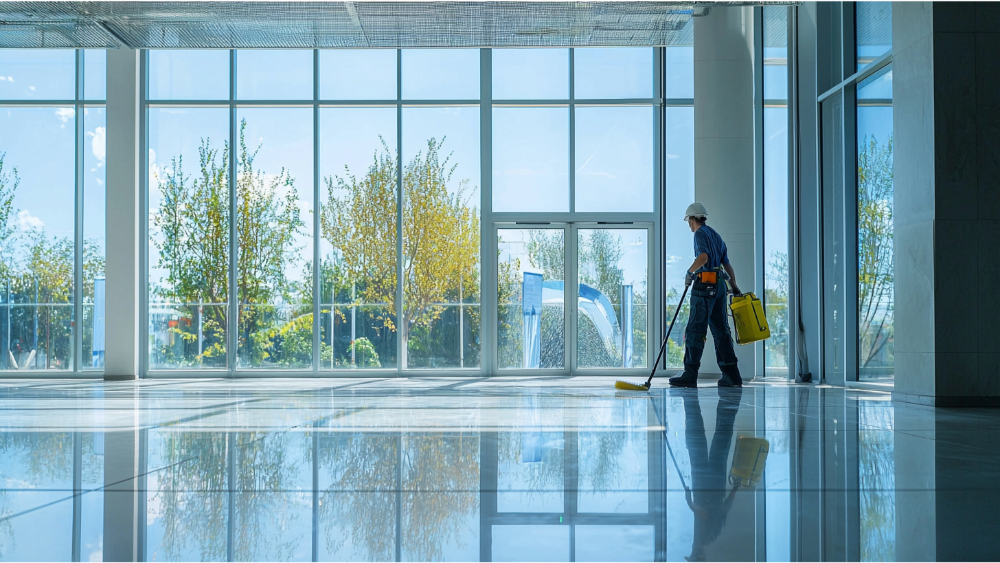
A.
pixel 79 102
pixel 571 515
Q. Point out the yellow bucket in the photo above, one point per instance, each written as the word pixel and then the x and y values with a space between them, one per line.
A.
pixel 749 319
pixel 749 460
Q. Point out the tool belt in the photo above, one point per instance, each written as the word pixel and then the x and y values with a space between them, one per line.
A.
pixel 706 284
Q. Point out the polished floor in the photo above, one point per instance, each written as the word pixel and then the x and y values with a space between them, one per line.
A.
pixel 526 469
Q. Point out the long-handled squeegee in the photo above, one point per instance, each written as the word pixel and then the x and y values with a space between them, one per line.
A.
pixel 625 385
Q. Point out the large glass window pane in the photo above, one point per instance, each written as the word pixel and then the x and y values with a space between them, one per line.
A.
pixel 531 274
pixel 285 74
pixel 188 237
pixel 776 359
pixel 274 235
pixel 94 192
pixel 776 238
pixel 441 237
pixel 679 165
pixel 188 75
pixel 530 159
pixel 873 22
pixel 613 72
pixel 357 74
pixel 37 194
pixel 775 53
pixel 95 74
pixel 614 159
pixel 440 74
pixel 37 74
pixel 358 245
pixel 679 64
pixel 876 302
pixel 530 74
pixel 612 297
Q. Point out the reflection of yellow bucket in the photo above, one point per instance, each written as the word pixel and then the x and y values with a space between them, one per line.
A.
pixel 749 319
pixel 748 461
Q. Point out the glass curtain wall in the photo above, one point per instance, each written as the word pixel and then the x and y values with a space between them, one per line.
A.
pixel 52 195
pixel 776 348
pixel 678 164
pixel 858 200
pixel 363 162
pixel 368 164
pixel 876 349
pixel 573 147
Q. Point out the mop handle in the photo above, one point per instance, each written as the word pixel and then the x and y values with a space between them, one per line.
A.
pixel 666 337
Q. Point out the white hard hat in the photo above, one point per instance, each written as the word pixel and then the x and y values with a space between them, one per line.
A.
pixel 695 210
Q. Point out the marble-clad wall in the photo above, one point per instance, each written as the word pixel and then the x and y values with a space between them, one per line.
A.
pixel 724 145
pixel 946 99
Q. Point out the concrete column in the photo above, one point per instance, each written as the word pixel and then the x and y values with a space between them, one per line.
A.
pixel 724 145
pixel 947 202
pixel 121 357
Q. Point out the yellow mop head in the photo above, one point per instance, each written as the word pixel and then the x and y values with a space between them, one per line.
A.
pixel 626 386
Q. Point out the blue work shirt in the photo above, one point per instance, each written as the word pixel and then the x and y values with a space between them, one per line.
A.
pixel 708 241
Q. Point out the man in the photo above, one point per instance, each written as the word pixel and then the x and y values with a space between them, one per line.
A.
pixel 708 303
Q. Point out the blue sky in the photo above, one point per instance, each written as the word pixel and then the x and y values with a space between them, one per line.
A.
pixel 530 145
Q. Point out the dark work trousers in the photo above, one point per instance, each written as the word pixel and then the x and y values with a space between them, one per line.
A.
pixel 709 312
pixel 708 466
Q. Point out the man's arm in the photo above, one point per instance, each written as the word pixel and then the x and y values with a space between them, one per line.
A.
pixel 700 261
pixel 732 277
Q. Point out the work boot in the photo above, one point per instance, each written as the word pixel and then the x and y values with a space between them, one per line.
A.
pixel 684 380
pixel 727 381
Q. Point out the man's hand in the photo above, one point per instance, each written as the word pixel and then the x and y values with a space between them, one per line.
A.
pixel 688 279
pixel 735 290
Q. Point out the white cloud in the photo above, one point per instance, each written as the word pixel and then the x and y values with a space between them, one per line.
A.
pixel 65 114
pixel 28 221
pixel 32 88
pixel 2 78
pixel 97 144
pixel 10 79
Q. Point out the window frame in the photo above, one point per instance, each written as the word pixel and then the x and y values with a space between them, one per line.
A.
pixel 79 103
pixel 487 301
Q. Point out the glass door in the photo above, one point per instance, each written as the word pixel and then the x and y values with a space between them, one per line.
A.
pixel 612 317
pixel 589 278
pixel 531 309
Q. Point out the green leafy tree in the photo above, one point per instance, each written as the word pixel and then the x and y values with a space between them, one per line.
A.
pixel 776 303
pixel 193 223
pixel 9 182
pixel 440 245
pixel 875 247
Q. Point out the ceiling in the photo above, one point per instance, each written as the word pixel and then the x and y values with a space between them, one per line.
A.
pixel 386 24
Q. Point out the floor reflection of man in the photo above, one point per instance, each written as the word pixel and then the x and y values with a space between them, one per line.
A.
pixel 708 497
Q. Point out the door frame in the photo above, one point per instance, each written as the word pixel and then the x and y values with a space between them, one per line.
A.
pixel 571 305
